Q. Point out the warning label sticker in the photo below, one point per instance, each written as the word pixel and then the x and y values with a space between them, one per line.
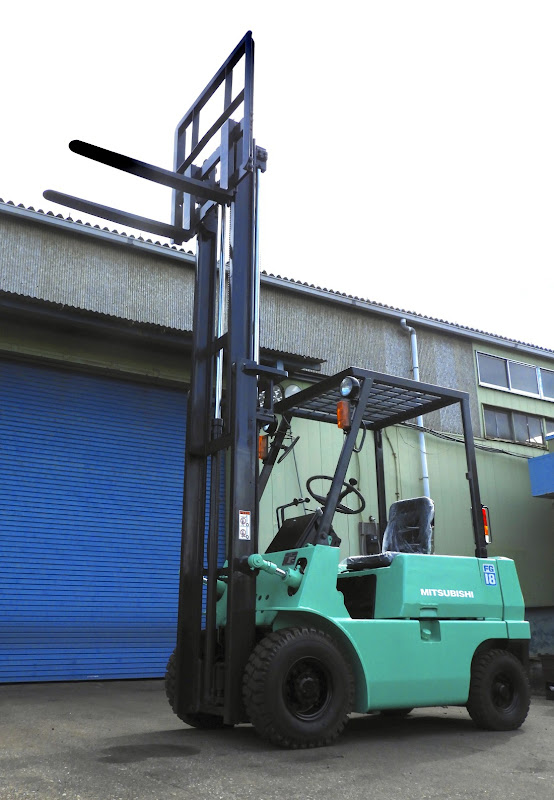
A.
pixel 244 525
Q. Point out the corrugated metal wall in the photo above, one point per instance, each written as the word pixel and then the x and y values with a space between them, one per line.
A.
pixel 115 275
pixel 91 477
pixel 111 274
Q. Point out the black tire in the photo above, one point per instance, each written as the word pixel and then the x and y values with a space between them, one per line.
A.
pixel 298 688
pixel 199 720
pixel 396 712
pixel 499 693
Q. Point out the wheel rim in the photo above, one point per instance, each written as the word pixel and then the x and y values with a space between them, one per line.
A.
pixel 504 692
pixel 307 689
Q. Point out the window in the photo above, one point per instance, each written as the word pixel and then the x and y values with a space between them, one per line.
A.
pixel 523 378
pixel 492 370
pixel 527 429
pixel 514 376
pixel 515 426
pixel 547 380
pixel 497 424
pixel 549 427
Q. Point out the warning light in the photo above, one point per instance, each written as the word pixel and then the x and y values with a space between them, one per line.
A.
pixel 486 524
pixel 262 447
pixel 343 415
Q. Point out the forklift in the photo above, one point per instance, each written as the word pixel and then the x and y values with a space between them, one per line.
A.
pixel 294 639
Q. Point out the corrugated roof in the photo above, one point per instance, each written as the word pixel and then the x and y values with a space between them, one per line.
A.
pixel 19 302
pixel 456 326
pixel 331 294
pixel 51 214
pixel 26 301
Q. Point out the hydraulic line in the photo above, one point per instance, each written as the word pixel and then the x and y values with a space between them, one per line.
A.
pixel 220 311
pixel 256 287
pixel 214 590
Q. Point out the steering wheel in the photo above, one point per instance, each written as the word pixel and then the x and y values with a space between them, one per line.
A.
pixel 350 489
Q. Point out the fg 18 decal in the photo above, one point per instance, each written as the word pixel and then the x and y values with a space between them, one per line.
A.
pixel 489 572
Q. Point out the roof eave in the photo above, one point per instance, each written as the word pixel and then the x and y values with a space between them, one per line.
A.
pixel 83 228
pixel 398 314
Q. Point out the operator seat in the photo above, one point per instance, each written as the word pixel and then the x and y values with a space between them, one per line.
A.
pixel 409 530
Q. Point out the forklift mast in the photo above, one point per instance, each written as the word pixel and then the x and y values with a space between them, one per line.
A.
pixel 222 430
pixel 215 195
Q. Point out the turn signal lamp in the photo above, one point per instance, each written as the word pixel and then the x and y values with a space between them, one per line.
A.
pixel 262 447
pixel 486 525
pixel 343 415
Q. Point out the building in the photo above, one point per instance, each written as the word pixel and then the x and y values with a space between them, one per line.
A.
pixel 95 345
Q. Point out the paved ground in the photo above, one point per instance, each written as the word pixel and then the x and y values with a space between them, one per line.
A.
pixel 120 741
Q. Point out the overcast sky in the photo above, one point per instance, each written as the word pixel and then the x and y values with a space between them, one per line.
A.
pixel 411 143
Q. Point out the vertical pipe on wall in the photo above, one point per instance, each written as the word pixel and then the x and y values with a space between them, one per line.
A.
pixel 419 420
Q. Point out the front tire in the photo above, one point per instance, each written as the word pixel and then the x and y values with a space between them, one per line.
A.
pixel 499 694
pixel 298 688
pixel 198 720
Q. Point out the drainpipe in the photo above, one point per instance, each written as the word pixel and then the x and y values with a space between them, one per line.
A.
pixel 419 420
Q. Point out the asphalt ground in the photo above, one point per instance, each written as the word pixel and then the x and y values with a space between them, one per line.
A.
pixel 119 740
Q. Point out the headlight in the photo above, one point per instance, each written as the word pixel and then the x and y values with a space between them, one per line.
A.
pixel 291 389
pixel 350 387
pixel 277 393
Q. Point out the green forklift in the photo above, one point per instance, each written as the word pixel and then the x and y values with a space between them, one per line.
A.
pixel 385 632
pixel 294 639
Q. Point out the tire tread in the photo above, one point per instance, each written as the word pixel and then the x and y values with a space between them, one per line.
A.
pixel 254 684
pixel 200 720
pixel 478 706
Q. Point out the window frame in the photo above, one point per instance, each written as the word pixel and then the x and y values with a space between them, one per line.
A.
pixel 510 413
pixel 544 396
pixel 539 394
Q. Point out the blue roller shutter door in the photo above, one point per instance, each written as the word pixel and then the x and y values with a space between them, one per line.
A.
pixel 91 477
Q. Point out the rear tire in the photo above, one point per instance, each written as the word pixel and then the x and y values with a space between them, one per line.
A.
pixel 198 720
pixel 499 694
pixel 298 688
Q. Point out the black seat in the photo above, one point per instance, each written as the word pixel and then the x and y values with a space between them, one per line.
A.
pixel 354 563
pixel 409 530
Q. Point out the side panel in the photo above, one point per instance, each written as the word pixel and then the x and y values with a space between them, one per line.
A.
pixel 422 661
pixel 411 663
pixel 443 587
pixel 514 608
pixel 519 630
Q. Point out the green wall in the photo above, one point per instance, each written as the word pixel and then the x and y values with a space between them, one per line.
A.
pixel 112 353
pixel 522 526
